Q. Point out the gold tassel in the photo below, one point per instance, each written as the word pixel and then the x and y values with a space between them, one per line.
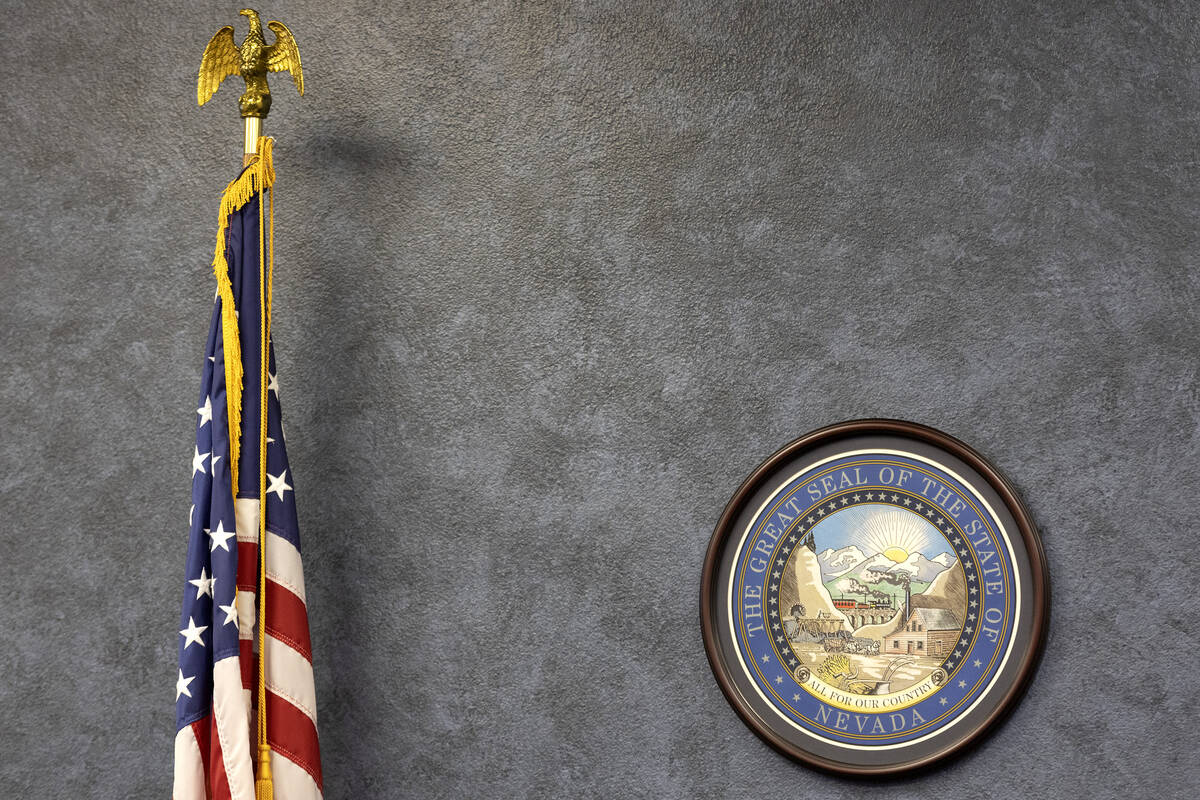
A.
pixel 258 175
pixel 264 789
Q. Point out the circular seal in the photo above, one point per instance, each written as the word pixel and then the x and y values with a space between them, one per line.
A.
pixel 874 597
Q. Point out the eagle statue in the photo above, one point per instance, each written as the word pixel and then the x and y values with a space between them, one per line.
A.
pixel 252 61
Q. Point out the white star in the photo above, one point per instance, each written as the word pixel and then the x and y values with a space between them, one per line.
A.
pixel 231 616
pixel 943 701
pixel 279 484
pixel 191 511
pixel 962 684
pixel 272 386
pixel 765 659
pixel 778 679
pixel 907 501
pixel 191 634
pixel 198 462
pixel 795 698
pixel 215 459
pixel 220 537
pixel 857 497
pixel 203 584
pixel 977 663
pixel 181 685
pixel 895 498
pixel 205 411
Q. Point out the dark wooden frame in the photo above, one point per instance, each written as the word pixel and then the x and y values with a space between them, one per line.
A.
pixel 711 601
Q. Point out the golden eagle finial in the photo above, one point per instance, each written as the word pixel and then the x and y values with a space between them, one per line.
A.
pixel 252 61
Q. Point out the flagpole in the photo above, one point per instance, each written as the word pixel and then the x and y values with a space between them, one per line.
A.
pixel 253 131
pixel 252 61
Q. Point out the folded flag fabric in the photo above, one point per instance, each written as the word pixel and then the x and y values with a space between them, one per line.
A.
pixel 242 495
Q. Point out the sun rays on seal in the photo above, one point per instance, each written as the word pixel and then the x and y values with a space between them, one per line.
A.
pixel 894 533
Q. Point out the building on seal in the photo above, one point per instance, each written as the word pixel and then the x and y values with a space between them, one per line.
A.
pixel 927 632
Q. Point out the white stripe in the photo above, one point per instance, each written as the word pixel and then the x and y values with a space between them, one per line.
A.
pixel 284 565
pixel 189 766
pixel 245 513
pixel 247 611
pixel 292 781
pixel 233 727
pixel 290 676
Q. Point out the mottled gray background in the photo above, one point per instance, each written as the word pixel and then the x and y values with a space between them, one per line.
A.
pixel 551 280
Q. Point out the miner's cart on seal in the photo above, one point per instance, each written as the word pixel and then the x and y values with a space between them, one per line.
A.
pixel 829 633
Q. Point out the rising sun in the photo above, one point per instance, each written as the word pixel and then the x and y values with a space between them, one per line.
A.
pixel 894 533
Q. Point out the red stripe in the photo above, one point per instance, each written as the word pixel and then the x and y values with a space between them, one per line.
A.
pixel 218 781
pixel 247 566
pixel 292 733
pixel 200 729
pixel 287 619
pixel 248 661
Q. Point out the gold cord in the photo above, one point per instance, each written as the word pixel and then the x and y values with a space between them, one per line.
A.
pixel 263 785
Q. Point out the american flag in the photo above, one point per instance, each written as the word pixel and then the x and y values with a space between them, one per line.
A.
pixel 215 690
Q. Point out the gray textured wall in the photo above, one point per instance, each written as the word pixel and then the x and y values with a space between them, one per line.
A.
pixel 551 281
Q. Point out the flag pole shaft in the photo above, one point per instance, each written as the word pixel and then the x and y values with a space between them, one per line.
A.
pixel 253 131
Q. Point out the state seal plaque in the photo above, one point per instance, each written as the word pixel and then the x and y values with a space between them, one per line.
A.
pixel 874 598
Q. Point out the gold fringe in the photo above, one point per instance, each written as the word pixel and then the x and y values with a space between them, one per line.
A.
pixel 258 175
